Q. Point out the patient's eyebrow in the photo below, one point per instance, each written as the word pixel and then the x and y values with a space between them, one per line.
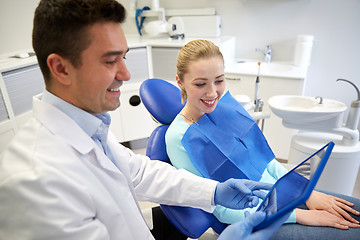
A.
pixel 220 76
pixel 200 78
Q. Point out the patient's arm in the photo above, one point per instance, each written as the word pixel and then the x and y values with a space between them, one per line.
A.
pixel 276 169
pixel 322 218
pixel 334 205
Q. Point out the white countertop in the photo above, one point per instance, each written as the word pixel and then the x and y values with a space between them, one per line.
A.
pixel 7 62
pixel 138 41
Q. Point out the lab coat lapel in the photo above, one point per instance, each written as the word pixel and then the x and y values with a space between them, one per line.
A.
pixel 120 174
pixel 122 157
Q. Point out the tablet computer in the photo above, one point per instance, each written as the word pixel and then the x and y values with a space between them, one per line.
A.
pixel 295 187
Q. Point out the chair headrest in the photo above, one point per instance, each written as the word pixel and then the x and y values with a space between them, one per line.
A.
pixel 162 99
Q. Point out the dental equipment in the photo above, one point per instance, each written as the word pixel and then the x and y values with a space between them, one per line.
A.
pixel 257 85
pixel 266 52
pixel 354 112
pixel 342 169
pixel 257 101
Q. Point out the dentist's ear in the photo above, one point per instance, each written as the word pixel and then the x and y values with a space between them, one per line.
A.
pixel 59 68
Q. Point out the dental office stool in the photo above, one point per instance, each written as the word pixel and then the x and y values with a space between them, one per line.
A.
pixel 163 101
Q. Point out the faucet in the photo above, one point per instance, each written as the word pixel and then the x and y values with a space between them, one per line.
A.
pixel 266 52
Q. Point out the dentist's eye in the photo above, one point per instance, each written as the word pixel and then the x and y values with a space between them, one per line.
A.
pixel 111 62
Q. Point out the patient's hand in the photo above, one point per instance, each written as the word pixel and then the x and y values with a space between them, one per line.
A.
pixel 334 205
pixel 322 218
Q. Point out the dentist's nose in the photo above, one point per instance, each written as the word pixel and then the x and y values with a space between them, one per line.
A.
pixel 122 73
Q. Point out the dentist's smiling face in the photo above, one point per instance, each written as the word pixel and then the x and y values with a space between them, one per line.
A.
pixel 204 84
pixel 96 83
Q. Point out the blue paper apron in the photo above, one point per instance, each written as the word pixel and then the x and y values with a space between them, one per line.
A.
pixel 227 143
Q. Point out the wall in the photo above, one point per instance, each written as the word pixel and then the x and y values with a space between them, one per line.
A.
pixel 255 23
pixel 16 19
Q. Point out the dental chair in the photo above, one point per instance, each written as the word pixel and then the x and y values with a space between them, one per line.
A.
pixel 163 101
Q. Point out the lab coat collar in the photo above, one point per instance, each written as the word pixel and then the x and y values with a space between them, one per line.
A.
pixel 62 125
pixel 87 122
pixel 66 128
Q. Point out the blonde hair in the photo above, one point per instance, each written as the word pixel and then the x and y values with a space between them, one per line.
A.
pixel 191 52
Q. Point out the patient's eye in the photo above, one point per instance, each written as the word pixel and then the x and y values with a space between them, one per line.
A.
pixel 219 81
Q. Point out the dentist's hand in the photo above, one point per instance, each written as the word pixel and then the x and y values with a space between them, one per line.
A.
pixel 243 230
pixel 240 193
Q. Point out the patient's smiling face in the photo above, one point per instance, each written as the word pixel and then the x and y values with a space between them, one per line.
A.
pixel 204 84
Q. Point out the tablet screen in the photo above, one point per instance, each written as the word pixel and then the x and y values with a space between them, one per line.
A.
pixel 291 187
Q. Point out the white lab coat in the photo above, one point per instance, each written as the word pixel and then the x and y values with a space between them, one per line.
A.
pixel 55 183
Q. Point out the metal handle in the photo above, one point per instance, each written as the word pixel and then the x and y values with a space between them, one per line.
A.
pixel 321 99
pixel 356 88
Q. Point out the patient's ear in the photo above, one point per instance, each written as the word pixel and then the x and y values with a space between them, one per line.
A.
pixel 59 68
pixel 179 82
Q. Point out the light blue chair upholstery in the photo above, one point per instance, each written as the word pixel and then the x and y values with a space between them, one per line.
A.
pixel 163 100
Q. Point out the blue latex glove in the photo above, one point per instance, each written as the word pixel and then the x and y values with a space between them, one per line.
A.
pixel 240 193
pixel 243 230
pixel 270 204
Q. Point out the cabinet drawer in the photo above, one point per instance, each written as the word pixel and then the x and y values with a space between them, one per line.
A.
pixel 21 85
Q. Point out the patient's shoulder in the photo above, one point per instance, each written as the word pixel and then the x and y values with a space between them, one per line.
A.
pixel 176 129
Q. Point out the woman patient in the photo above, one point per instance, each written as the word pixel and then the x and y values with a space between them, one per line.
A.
pixel 200 76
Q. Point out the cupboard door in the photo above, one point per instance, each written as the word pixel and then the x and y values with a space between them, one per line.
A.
pixel 164 62
pixel 137 64
pixel 131 121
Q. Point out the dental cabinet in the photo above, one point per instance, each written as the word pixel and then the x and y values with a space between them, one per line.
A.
pixel 20 80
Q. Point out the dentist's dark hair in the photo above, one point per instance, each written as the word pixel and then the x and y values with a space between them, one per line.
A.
pixel 61 27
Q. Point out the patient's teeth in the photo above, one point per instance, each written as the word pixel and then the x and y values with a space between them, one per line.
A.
pixel 210 102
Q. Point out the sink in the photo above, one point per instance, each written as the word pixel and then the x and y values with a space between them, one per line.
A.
pixel 302 112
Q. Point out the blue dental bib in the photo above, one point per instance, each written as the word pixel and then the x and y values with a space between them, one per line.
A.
pixel 227 143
